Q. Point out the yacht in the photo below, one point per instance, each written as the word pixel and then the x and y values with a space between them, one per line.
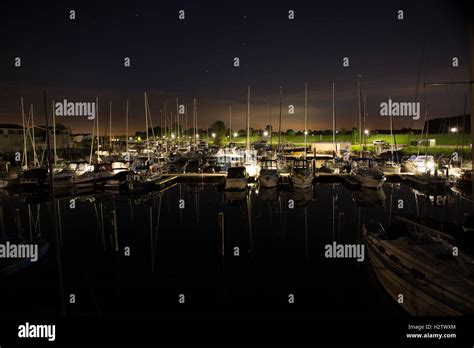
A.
pixel 420 265
pixel 301 176
pixel 366 172
pixel 144 175
pixel 422 164
pixel 268 176
pixel 237 178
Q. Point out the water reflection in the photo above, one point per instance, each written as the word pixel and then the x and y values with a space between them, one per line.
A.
pixel 171 247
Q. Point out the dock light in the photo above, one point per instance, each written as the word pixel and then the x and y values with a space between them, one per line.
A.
pixel 235 135
pixel 366 132
pixel 213 135
pixel 265 134
pixel 454 130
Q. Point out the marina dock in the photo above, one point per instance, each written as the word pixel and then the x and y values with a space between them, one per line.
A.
pixel 344 178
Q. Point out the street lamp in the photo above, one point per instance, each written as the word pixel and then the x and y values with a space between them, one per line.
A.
pixel 197 135
pixel 454 130
pixel 235 135
pixel 366 132
pixel 214 135
pixel 265 134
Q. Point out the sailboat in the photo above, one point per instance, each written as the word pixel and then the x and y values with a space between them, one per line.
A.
pixel 391 166
pixel 420 265
pixel 301 175
pixel 367 173
pixel 145 173
pixel 238 177
pixel 250 157
pixel 365 170
pixel 332 166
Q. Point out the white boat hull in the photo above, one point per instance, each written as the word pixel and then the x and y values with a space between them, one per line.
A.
pixel 236 184
pixel 430 291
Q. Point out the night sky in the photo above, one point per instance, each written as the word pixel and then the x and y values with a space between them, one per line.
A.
pixel 83 58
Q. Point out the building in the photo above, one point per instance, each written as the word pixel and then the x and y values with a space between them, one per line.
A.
pixel 328 147
pixel 11 138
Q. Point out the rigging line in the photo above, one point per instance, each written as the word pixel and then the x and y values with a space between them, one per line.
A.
pixel 420 66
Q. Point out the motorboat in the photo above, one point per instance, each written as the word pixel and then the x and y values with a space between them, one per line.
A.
pixel 422 164
pixel 301 176
pixel 237 178
pixel 268 176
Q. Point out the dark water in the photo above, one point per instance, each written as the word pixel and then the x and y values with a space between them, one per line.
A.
pixel 177 251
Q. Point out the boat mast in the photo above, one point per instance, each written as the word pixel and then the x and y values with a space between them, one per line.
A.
pixel 25 150
pixel 177 118
pixel 195 121
pixel 166 127
pixel 126 126
pixel 186 120
pixel 146 126
pixel 110 125
pixel 98 134
pixel 305 117
pixel 360 114
pixel 230 123
pixel 92 140
pixel 363 121
pixel 279 124
pixel 271 128
pixel 173 133
pixel 248 119
pixel 391 135
pixel 334 121
pixel 54 135
pixel 35 157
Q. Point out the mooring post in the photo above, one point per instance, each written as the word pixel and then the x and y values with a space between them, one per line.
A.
pixel 220 224
pixel 60 227
pixel 18 222
pixel 114 222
